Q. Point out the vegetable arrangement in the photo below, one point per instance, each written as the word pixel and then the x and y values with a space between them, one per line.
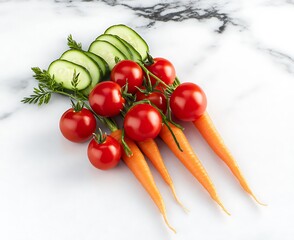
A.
pixel 118 77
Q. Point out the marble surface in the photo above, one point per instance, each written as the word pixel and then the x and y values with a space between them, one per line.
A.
pixel 240 52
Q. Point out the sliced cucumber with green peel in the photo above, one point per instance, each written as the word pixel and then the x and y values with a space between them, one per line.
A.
pixel 117 43
pixel 64 71
pixel 101 62
pixel 107 51
pixel 135 55
pixel 80 58
pixel 131 36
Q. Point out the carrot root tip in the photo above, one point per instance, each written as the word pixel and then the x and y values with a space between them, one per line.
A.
pixel 177 199
pixel 167 223
pixel 223 207
pixel 256 200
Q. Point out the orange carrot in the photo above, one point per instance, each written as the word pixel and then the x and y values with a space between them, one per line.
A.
pixel 150 149
pixel 138 165
pixel 189 159
pixel 207 129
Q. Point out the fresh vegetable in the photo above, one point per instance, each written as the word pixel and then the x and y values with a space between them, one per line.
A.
pixel 104 152
pixel 188 102
pixel 130 36
pixel 127 72
pixel 106 99
pixel 150 149
pixel 145 92
pixel 104 68
pixel 72 44
pixel 189 160
pixel 135 55
pixel 163 69
pixel 70 75
pixel 156 97
pixel 115 41
pixel 107 51
pixel 142 122
pixel 80 58
pixel 207 129
pixel 77 124
pixel 137 164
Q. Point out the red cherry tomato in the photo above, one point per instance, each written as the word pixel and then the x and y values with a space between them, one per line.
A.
pixel 142 122
pixel 127 71
pixel 104 155
pixel 106 99
pixel 77 126
pixel 157 98
pixel 163 69
pixel 188 102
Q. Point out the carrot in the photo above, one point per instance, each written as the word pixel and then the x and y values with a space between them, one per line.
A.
pixel 138 165
pixel 150 150
pixel 207 129
pixel 189 159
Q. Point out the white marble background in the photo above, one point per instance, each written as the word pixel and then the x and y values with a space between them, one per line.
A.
pixel 240 52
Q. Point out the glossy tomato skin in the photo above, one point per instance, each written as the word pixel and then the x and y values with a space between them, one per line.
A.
pixel 163 69
pixel 156 97
pixel 127 71
pixel 188 102
pixel 77 126
pixel 106 99
pixel 142 122
pixel 105 155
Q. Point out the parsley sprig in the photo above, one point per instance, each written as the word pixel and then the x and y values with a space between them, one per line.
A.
pixel 73 44
pixel 47 85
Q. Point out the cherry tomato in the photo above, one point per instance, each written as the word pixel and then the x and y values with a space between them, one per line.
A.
pixel 104 155
pixel 77 126
pixel 127 71
pixel 156 97
pixel 163 69
pixel 106 99
pixel 188 102
pixel 142 122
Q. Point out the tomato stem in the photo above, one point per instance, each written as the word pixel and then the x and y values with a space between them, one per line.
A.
pixel 100 137
pixel 150 59
pixel 177 82
pixel 152 75
pixel 169 116
pixel 172 133
pixel 78 106
pixel 127 96
pixel 148 84
pixel 125 145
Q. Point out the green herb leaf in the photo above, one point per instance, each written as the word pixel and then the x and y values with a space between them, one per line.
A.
pixel 73 44
pixel 75 81
pixel 40 96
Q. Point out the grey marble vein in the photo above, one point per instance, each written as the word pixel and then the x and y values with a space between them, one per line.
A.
pixel 5 115
pixel 281 58
pixel 176 11
pixel 21 84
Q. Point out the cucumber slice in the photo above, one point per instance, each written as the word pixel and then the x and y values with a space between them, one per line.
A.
pixel 107 51
pixel 101 63
pixel 117 43
pixel 135 55
pixel 80 58
pixel 63 71
pixel 131 36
